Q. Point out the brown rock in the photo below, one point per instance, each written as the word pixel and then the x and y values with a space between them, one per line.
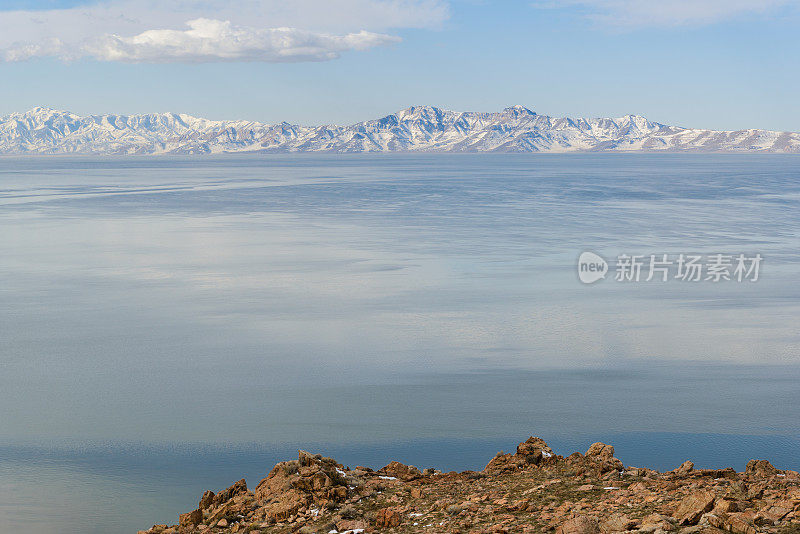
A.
pixel 352 524
pixel 638 471
pixel 314 482
pixel 776 511
pixel 338 494
pixel 726 506
pixel 728 472
pixel 692 508
pixel 286 506
pixel 654 522
pixel 579 525
pixel 738 524
pixel 206 500
pixel 306 458
pixel 225 495
pixel 600 450
pixel 401 471
pixel 602 456
pixel 501 462
pixel 685 468
pixel 191 519
pixel 618 523
pixel 229 510
pixel 760 468
pixel 534 451
pixel 387 518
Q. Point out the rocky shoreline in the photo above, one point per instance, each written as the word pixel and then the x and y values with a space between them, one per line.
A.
pixel 533 490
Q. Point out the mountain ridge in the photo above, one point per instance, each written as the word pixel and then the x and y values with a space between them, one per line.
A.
pixel 43 130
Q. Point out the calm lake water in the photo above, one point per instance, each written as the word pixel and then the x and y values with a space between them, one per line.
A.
pixel 170 325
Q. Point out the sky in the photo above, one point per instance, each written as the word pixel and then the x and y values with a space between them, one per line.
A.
pixel 722 64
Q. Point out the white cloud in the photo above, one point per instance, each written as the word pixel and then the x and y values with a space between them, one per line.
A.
pixel 208 40
pixel 669 12
pixel 219 30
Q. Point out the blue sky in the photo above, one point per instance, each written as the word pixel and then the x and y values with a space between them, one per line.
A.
pixel 704 63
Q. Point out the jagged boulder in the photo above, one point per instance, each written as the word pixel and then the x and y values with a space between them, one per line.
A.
pixel 531 452
pixel 692 508
pixel 238 488
pixel 534 450
pixel 684 469
pixel 600 450
pixel 760 469
pixel 296 484
pixel 232 509
pixel 601 457
pixel 401 471
pixel 191 519
pixel 206 500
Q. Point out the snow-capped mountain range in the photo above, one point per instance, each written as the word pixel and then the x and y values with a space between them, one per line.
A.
pixel 416 129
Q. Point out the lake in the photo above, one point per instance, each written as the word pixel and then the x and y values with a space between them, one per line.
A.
pixel 170 325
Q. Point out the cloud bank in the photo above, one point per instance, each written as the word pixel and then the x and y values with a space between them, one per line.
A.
pixel 218 30
pixel 207 40
pixel 669 12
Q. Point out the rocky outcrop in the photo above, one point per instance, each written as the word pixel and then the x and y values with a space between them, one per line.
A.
pixel 403 472
pixel 602 456
pixel 297 484
pixel 760 468
pixel 533 490
pixel 531 452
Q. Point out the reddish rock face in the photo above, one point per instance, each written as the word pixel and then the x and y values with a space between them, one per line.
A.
pixel 694 506
pixel 224 496
pixel 206 500
pixel 387 518
pixel 191 519
pixel 760 468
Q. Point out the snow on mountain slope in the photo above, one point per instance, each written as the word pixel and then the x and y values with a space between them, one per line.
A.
pixel 424 128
